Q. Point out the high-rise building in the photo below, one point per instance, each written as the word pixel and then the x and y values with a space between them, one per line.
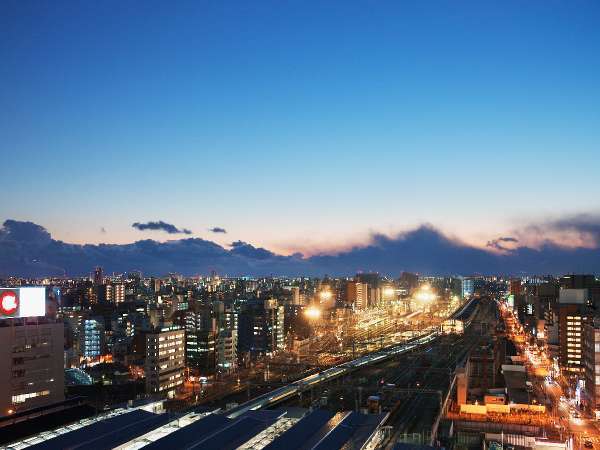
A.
pixel 32 374
pixel 262 327
pixel 294 295
pixel 357 294
pixel 408 281
pixel 118 293
pixel 92 337
pixel 111 293
pixel 98 276
pixel 573 314
pixel 200 339
pixel 226 350
pixel 164 360
pixel 516 287
pixel 588 282
pixel 468 287
pixel 577 281
pixel 591 356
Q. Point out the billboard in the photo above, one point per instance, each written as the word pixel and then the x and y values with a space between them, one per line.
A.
pixel 22 302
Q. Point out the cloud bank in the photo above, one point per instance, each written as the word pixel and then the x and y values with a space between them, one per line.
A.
pixel 27 249
pixel 161 226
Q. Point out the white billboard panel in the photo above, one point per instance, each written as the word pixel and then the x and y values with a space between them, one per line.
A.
pixel 22 302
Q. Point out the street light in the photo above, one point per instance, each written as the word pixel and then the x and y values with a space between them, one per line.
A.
pixel 325 295
pixel 312 313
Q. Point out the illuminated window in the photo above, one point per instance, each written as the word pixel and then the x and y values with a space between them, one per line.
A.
pixel 22 398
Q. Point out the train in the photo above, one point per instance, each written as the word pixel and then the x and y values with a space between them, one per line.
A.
pixel 297 387
pixel 464 314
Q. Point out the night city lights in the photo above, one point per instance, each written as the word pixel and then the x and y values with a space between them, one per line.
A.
pixel 300 225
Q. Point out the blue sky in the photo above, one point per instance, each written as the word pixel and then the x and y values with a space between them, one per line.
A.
pixel 295 124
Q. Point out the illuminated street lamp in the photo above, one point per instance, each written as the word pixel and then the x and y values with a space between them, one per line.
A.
pixel 425 295
pixel 312 312
pixel 325 295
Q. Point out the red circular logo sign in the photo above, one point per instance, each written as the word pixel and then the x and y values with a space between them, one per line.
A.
pixel 9 303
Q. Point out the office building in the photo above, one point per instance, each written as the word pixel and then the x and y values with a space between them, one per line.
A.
pixel 357 294
pixel 164 360
pixel 468 287
pixel 98 276
pixel 262 327
pixel 591 355
pixel 33 365
pixel 573 314
pixel 226 351
pixel 92 337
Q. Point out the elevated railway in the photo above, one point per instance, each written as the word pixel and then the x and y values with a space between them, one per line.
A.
pixel 465 312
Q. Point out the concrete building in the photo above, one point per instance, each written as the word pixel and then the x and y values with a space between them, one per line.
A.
pixel 92 338
pixel 262 327
pixel 357 294
pixel 226 350
pixel 484 364
pixel 591 357
pixel 164 363
pixel 294 294
pixel 200 339
pixel 468 287
pixel 33 365
pixel 572 316
pixel 98 276
pixel 111 293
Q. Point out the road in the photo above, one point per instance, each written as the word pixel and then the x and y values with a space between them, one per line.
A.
pixel 565 419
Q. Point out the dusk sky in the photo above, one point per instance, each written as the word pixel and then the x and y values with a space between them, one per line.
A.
pixel 297 125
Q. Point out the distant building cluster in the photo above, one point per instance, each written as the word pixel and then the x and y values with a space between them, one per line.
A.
pixel 156 333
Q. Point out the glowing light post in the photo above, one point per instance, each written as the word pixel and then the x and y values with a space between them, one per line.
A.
pixel 313 313
pixel 325 295
pixel 425 296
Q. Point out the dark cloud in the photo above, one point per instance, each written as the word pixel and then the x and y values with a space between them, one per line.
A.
pixel 499 244
pixel 27 249
pixel 30 232
pixel 160 225
pixel 247 250
pixel 218 230
pixel 586 225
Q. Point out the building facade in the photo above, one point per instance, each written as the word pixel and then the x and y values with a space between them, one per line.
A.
pixel 591 356
pixel 164 360
pixel 32 373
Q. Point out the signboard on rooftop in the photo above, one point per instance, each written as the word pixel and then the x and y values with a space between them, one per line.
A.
pixel 22 302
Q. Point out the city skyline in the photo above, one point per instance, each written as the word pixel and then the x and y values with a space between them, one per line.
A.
pixel 300 225
pixel 301 127
pixel 28 249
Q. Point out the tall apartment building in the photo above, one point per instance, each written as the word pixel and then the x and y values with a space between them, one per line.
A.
pixel 92 337
pixel 98 276
pixel 200 339
pixel 572 316
pixel 226 350
pixel 32 373
pixel 294 294
pixel 164 360
pixel 273 325
pixel 468 287
pixel 111 293
pixel 357 294
pixel 261 327
pixel 591 357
